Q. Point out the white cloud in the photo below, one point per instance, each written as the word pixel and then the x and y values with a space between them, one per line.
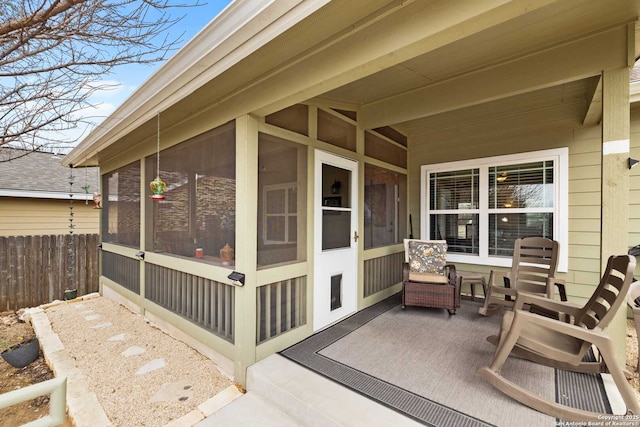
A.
pixel 103 102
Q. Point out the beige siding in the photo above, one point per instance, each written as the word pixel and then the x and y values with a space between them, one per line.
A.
pixel 29 217
pixel 634 181
pixel 544 120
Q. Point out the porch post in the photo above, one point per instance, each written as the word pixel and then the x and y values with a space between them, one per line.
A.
pixel 246 244
pixel 146 230
pixel 615 182
pixel 360 149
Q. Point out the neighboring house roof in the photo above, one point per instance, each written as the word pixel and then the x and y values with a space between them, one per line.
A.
pixel 42 175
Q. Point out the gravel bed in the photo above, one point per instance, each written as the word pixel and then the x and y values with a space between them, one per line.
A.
pixel 632 357
pixel 91 331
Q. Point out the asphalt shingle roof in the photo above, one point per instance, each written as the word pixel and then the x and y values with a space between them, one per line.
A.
pixel 39 171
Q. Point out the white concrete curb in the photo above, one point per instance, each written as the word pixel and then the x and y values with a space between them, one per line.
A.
pixel 83 406
pixel 207 408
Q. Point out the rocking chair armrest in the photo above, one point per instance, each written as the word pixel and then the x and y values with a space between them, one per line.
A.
pixel 502 290
pixel 559 283
pixel 523 298
pixel 593 336
pixel 495 274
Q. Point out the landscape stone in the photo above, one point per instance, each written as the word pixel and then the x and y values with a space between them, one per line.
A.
pixel 151 366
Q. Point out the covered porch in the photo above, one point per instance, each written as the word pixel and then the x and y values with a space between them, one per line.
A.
pixel 388 366
pixel 406 93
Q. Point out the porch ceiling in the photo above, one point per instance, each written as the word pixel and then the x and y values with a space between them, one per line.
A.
pixel 525 35
pixel 497 47
pixel 501 62
pixel 569 101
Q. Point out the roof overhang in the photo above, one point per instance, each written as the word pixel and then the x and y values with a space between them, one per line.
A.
pixel 239 30
pixel 393 61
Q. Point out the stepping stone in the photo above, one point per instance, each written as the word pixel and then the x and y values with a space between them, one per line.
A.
pixel 92 317
pixel 119 337
pixel 102 325
pixel 151 366
pixel 133 351
pixel 173 392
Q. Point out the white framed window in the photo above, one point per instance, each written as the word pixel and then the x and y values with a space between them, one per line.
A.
pixel 280 220
pixel 481 206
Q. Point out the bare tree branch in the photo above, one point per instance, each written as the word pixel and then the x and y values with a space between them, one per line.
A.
pixel 54 53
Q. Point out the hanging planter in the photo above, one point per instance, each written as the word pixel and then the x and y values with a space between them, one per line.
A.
pixel 22 354
pixel 157 188
pixel 97 201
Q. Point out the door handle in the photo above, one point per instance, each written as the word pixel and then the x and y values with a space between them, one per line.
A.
pixel 355 236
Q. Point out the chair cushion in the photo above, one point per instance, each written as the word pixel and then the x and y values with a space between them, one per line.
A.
pixel 427 278
pixel 427 257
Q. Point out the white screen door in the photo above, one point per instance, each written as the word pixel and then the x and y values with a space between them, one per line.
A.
pixel 336 239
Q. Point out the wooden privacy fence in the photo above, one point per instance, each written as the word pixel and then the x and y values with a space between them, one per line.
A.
pixel 36 269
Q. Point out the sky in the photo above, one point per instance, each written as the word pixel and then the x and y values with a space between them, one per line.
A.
pixel 125 80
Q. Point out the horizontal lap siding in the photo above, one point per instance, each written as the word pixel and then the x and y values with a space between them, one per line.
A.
pixel 28 217
pixel 634 182
pixel 548 120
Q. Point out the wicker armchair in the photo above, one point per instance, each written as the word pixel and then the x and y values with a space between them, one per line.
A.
pixel 427 281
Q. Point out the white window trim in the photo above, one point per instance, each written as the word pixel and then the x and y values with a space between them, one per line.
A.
pixel 560 157
pixel 286 214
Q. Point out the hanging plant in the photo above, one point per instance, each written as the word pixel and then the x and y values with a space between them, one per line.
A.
pixel 158 186
pixel 86 185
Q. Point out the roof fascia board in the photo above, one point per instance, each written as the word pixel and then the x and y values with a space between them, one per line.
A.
pixel 44 195
pixel 241 28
